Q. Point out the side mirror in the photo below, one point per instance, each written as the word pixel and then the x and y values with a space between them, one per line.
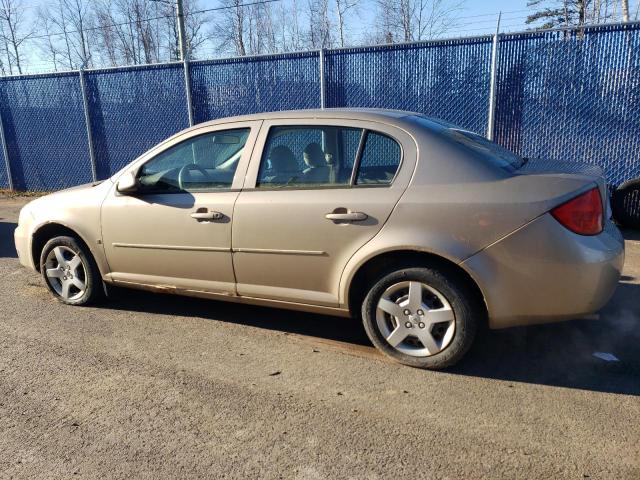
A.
pixel 128 183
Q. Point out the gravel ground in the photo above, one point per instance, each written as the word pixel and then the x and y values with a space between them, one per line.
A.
pixel 152 386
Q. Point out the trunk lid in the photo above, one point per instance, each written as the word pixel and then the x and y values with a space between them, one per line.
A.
pixel 541 166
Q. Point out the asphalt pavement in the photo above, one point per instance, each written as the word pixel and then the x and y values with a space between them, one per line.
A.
pixel 153 386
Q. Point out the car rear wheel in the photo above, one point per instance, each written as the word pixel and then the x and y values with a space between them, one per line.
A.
pixel 422 317
pixel 69 271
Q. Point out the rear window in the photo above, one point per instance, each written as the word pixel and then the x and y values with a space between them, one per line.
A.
pixel 484 149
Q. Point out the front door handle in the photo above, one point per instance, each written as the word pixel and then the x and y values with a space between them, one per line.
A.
pixel 347 216
pixel 211 215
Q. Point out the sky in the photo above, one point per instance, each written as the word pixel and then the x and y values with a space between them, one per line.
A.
pixel 477 17
pixel 484 14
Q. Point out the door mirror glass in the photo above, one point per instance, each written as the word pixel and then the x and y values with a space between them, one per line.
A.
pixel 127 183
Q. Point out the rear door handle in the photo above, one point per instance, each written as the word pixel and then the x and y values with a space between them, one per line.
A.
pixel 347 217
pixel 207 215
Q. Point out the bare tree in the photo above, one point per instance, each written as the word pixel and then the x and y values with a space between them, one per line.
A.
pixel 73 19
pixel 231 28
pixel 146 40
pixel 195 23
pixel 412 20
pixel 263 31
pixel 144 31
pixel 128 23
pixel 61 21
pixel 117 32
pixel 250 29
pixel 195 31
pixel 575 13
pixel 14 31
pixel 45 25
pixel 320 25
pixel 385 25
pixel 436 17
pixel 4 46
pixel 290 20
pixel 342 9
pixel 107 38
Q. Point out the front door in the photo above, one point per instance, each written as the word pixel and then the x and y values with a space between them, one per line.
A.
pixel 320 192
pixel 175 231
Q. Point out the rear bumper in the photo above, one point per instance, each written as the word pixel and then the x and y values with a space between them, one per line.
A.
pixel 544 273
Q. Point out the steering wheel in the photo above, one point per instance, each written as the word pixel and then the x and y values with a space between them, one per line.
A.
pixel 186 171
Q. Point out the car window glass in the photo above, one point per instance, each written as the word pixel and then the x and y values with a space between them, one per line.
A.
pixel 489 151
pixel 207 161
pixel 308 156
pixel 380 160
pixel 350 143
pixel 484 150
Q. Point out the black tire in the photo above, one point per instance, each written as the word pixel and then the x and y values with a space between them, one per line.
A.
pixel 93 290
pixel 467 309
pixel 625 203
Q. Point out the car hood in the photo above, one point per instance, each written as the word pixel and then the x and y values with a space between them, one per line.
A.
pixel 69 198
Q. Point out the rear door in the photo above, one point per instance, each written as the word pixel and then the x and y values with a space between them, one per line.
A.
pixel 314 194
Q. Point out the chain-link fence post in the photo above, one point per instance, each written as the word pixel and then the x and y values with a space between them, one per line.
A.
pixel 5 150
pixel 87 121
pixel 187 88
pixel 323 85
pixel 493 85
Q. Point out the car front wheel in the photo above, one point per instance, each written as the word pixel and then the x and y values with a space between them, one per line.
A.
pixel 422 317
pixel 69 271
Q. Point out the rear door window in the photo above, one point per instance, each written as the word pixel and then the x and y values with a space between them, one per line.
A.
pixel 313 156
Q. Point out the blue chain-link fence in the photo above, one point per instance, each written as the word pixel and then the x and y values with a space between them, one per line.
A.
pixel 223 88
pixel 561 96
pixel 44 128
pixel 132 109
pixel 573 96
pixel 445 79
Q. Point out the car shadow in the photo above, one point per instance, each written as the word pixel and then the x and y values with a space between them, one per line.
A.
pixel 7 248
pixel 325 327
pixel 562 354
pixel 559 354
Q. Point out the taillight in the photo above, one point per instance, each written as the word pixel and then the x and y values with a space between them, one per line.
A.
pixel 582 214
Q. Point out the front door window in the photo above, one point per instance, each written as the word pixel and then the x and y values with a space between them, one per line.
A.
pixel 205 162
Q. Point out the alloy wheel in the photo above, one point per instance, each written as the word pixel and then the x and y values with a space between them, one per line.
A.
pixel 415 319
pixel 66 273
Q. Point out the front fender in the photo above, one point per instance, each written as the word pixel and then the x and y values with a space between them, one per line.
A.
pixel 76 209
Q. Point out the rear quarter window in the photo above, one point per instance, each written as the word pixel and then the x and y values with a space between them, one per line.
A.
pixel 380 160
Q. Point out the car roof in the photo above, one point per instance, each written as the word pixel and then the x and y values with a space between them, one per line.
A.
pixel 372 114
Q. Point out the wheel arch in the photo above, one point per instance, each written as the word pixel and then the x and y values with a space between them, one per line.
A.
pixel 382 263
pixel 45 232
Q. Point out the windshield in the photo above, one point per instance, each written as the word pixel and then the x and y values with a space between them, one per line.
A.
pixel 485 149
